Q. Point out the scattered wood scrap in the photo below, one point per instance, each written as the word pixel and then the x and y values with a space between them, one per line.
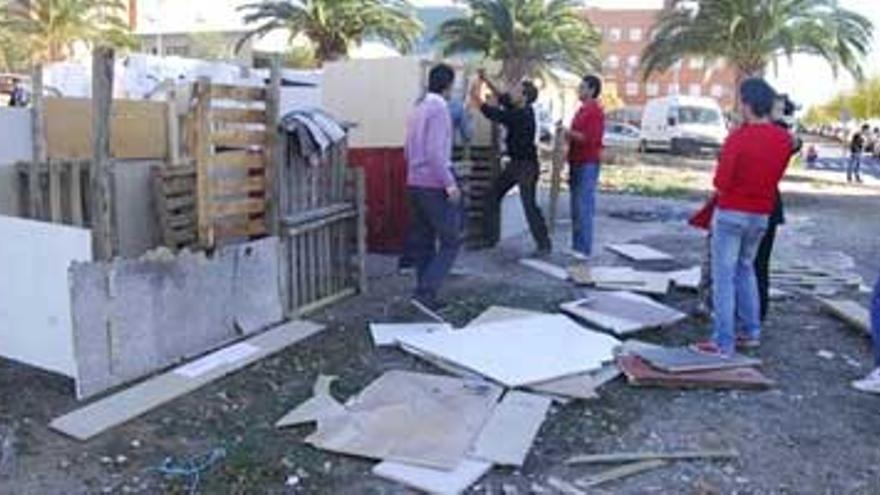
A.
pixel 683 359
pixel 850 312
pixel 640 374
pixel 619 473
pixel 652 456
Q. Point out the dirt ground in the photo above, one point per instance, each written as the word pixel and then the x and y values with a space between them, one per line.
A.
pixel 810 434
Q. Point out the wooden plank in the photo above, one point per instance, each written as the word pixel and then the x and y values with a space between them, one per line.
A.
pixel 238 138
pixel 619 472
pixel 76 196
pixel 238 207
pixel 652 456
pixel 850 312
pixel 240 93
pixel 321 223
pixel 178 203
pixel 55 192
pixel 249 229
pixel 101 190
pixel 172 125
pixel 272 152
pixel 641 374
pixel 237 159
pixel 202 146
pixel 119 408
pixel 361 202
pixel 181 221
pixel 313 306
pixel 291 271
pixel 239 115
pixel 228 187
pixel 38 132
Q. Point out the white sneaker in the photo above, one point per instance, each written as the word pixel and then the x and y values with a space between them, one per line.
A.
pixel 870 383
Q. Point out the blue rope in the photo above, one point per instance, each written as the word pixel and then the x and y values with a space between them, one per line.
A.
pixel 191 469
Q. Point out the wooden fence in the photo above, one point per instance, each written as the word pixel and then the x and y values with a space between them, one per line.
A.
pixel 63 194
pixel 477 168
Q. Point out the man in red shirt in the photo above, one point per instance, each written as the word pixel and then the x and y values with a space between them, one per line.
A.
pixel 752 162
pixel 584 154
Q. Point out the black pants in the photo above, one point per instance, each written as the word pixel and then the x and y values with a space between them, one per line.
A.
pixel 762 267
pixel 525 174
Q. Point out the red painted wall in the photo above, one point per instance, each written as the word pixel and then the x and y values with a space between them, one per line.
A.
pixel 387 213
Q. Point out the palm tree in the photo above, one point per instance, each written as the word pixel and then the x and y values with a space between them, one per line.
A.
pixel 49 29
pixel 753 34
pixel 335 26
pixel 528 37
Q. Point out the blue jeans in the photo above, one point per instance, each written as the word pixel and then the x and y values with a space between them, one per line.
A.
pixel 875 322
pixel 583 183
pixel 435 237
pixel 735 239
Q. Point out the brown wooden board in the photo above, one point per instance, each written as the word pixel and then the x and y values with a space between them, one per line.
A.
pixel 640 374
pixel 137 129
pixel 241 93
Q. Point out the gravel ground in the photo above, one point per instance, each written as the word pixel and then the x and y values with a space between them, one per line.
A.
pixel 810 434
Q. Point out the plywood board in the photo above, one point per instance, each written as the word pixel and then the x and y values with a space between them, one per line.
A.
pixel 546 268
pixel 414 418
pixel 640 374
pixel 508 435
pixel 386 334
pixel 137 129
pixel 521 352
pixel 434 481
pixel 622 312
pixel 683 359
pixel 100 416
pixel 35 306
pixel 850 312
pixel 638 252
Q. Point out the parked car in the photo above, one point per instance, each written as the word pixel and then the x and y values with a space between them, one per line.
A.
pixel 621 136
pixel 683 125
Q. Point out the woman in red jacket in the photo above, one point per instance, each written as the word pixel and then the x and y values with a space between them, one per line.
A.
pixel 752 162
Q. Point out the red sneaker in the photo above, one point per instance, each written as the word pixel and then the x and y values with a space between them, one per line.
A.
pixel 708 348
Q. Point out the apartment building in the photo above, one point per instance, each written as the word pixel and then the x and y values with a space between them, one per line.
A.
pixel 625 34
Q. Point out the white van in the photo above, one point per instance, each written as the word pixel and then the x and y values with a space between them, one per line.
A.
pixel 682 125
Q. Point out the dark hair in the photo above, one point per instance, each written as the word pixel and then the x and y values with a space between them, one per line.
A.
pixel 440 78
pixel 866 127
pixel 530 91
pixel 789 107
pixel 594 83
pixel 758 95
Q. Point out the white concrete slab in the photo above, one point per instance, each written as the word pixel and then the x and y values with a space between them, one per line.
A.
pixel 546 268
pixel 387 334
pixel 622 312
pixel 434 481
pixel 508 435
pixel 35 306
pixel 520 352
pixel 638 252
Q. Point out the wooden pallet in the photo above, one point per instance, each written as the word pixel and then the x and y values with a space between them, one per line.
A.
pixel 64 188
pixel 174 198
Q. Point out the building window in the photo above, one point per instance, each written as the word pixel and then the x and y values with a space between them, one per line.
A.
pixel 635 34
pixel 632 61
pixel 672 89
pixel 695 90
pixel 613 62
pixel 614 35
pixel 696 63
pixel 717 90
pixel 632 89
pixel 652 89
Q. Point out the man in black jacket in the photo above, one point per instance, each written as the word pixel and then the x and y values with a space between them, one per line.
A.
pixel 514 111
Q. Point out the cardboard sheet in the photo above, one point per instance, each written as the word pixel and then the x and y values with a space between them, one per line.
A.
pixel 640 374
pixel 682 359
pixel 434 481
pixel 414 418
pixel 521 352
pixel 320 405
pixel 622 312
pixel 508 435
pixel 386 334
pixel 638 252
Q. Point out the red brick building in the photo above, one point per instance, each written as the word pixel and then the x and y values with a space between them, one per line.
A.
pixel 625 33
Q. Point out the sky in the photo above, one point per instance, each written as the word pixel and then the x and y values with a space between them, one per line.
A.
pixel 807 79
